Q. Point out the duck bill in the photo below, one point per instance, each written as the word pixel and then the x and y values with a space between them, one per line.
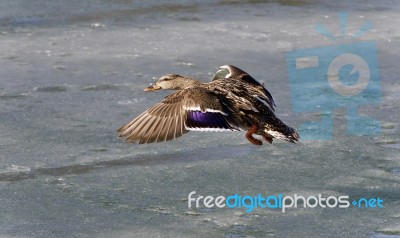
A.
pixel 152 88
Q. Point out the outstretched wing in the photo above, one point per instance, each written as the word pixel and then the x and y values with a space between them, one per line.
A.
pixel 190 109
pixel 259 91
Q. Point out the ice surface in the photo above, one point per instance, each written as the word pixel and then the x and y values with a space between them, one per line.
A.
pixel 73 72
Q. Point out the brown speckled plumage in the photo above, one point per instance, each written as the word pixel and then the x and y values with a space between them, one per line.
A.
pixel 232 101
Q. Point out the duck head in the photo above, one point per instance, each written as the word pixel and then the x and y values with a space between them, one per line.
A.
pixel 171 81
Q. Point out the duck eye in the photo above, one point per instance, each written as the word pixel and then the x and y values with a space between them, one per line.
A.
pixel 167 78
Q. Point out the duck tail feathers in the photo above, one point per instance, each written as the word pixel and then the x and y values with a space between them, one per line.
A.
pixel 283 132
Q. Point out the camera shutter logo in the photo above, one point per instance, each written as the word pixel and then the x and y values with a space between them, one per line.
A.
pixel 344 75
pixel 359 65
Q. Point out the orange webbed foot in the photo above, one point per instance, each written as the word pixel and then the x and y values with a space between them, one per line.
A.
pixel 249 135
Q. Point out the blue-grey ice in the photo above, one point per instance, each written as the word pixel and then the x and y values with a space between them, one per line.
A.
pixel 72 72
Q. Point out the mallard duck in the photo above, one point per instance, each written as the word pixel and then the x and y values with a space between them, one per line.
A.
pixel 232 101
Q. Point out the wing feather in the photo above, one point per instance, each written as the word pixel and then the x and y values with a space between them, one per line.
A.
pixel 170 118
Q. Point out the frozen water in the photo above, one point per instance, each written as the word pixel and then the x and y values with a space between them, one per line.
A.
pixel 72 73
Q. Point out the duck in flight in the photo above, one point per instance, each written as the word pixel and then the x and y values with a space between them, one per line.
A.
pixel 232 101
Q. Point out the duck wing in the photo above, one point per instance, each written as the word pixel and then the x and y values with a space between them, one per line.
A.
pixel 258 89
pixel 197 109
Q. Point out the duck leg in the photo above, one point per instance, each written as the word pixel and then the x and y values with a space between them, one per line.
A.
pixel 249 135
pixel 267 138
